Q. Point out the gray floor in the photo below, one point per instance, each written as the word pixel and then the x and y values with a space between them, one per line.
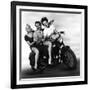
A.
pixel 59 70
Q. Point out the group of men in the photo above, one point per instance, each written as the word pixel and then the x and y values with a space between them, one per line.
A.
pixel 44 29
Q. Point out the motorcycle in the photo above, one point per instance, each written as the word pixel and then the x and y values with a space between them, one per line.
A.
pixel 60 54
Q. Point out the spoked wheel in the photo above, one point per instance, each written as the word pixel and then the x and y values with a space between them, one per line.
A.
pixel 70 59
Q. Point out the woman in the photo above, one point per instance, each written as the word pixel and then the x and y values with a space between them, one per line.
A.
pixel 30 40
pixel 48 30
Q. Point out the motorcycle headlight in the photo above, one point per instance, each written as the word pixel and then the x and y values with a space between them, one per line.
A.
pixel 44 57
pixel 54 45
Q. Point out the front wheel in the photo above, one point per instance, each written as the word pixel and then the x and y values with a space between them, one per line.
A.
pixel 70 59
pixel 32 60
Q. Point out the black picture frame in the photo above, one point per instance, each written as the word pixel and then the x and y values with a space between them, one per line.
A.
pixel 14 4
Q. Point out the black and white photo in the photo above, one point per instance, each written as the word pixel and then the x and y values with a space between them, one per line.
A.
pixel 49 42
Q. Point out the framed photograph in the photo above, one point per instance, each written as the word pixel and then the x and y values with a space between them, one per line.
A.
pixel 48 44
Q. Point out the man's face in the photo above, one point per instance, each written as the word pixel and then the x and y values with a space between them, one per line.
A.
pixel 45 23
pixel 38 25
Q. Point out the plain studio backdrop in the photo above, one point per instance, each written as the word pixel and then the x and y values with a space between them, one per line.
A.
pixel 69 23
pixel 5 44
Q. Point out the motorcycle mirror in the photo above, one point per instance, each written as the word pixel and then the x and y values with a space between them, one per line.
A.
pixel 62 32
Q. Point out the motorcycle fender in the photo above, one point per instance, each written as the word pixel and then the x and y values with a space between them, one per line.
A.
pixel 63 50
pixel 31 56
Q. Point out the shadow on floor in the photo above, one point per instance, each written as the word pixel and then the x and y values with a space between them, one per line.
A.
pixel 59 70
